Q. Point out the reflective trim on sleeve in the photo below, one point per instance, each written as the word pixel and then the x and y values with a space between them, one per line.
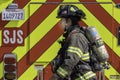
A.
pixel 86 56
pixel 89 75
pixel 62 72
pixel 75 50
pixel 79 53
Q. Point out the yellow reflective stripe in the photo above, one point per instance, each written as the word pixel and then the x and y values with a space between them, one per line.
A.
pixel 78 52
pixel 62 72
pixel 1 70
pixel 75 50
pixel 89 75
pixel 4 4
pixel 85 56
pixel 27 12
pixel 112 10
pixel 105 1
pixel 1 64
pixel 36 0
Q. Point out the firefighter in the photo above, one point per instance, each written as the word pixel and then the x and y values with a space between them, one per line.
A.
pixel 75 63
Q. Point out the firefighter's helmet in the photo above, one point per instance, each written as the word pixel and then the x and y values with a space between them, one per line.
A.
pixel 66 11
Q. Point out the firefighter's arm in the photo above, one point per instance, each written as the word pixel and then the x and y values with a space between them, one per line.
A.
pixel 73 56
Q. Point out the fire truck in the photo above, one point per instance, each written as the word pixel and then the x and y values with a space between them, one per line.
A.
pixel 30 32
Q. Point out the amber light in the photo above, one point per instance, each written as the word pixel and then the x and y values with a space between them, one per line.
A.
pixel 10 76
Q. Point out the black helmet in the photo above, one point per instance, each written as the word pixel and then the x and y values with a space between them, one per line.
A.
pixel 66 11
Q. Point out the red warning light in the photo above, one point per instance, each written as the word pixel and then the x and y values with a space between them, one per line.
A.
pixel 9 60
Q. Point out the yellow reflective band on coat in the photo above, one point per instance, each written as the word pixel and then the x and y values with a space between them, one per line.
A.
pixel 85 56
pixel 75 50
pixel 89 75
pixel 62 72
